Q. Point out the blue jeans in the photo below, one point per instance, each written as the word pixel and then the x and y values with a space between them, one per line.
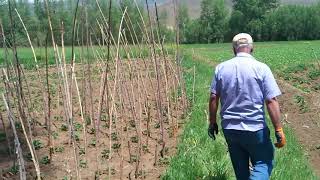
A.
pixel 254 146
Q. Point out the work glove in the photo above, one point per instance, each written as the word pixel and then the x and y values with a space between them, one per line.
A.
pixel 281 139
pixel 212 130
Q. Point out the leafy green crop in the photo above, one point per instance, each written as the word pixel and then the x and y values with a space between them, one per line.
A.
pixel 198 157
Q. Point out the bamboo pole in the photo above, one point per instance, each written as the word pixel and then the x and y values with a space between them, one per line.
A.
pixel 7 135
pixel 44 95
pixel 22 170
pixel 159 102
pixel 64 79
pixel 165 63
pixel 48 101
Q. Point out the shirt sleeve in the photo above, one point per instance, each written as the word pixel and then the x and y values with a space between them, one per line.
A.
pixel 270 86
pixel 215 85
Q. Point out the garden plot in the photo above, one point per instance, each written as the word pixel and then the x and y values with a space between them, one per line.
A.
pixel 131 133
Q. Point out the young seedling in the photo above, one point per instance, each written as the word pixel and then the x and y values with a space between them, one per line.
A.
pixel 55 135
pixel 59 149
pixel 82 151
pixel 64 127
pixel 37 144
pixel 83 163
pixel 116 146
pixel 93 142
pixel 134 139
pixel 45 160
pixel 114 136
pixel 105 154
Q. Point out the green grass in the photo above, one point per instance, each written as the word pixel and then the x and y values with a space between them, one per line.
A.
pixel 198 157
pixel 25 55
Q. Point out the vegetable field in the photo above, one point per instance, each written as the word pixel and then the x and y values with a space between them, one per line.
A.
pixel 295 65
pixel 109 110
pixel 198 157
pixel 122 102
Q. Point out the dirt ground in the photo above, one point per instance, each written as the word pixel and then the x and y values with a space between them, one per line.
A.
pixel 131 148
pixel 304 118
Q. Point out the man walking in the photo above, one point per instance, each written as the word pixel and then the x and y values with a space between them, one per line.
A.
pixel 244 86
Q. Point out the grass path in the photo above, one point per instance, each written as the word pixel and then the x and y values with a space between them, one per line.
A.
pixel 198 157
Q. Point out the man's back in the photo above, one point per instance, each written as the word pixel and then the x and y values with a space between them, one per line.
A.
pixel 243 84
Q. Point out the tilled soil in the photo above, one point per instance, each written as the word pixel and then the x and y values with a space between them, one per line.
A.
pixel 132 143
pixel 301 111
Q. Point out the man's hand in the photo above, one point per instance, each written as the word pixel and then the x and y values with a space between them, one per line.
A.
pixel 281 139
pixel 213 108
pixel 274 112
pixel 212 130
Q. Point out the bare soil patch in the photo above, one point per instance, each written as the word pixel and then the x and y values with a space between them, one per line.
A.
pixel 302 113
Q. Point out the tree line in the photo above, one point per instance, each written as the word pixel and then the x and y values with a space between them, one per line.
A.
pixel 265 20
pixel 89 28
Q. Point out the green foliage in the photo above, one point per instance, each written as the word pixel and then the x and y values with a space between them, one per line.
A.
pixel 116 146
pixel 134 139
pixel 14 169
pixel 183 22
pixel 264 20
pixel 64 127
pixel 295 68
pixel 198 157
pixel 248 16
pixel 211 26
pixel 93 142
pixel 18 126
pixel 133 158
pixel 76 136
pixel 77 126
pixel 2 136
pixel 55 135
pixel 83 163
pixel 82 151
pixel 301 103
pixel 37 144
pixel 59 149
pixel 105 154
pixel 45 160
pixel 314 74
pixel 293 22
pixel 316 87
pixel 92 131
pixel 193 32
pixel 35 17
pixel 114 136
pixel 213 20
pixel 156 125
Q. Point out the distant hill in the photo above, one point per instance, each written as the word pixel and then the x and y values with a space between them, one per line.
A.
pixel 194 7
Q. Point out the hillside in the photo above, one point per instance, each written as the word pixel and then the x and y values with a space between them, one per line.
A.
pixel 194 6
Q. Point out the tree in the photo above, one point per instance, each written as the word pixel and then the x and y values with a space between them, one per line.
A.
pixel 213 20
pixel 193 32
pixel 248 16
pixel 293 22
pixel 167 32
pixel 183 21
pixel 135 24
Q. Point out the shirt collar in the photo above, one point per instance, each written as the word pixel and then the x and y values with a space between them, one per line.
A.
pixel 243 54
